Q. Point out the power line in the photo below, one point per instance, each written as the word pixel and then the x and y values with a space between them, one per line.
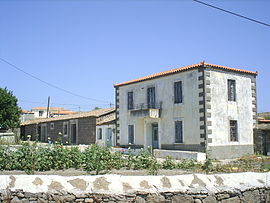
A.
pixel 232 13
pixel 62 104
pixel 50 84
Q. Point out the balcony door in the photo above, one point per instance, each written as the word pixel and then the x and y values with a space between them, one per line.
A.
pixel 151 97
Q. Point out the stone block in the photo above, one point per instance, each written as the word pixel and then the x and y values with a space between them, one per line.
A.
pixel 153 198
pixel 209 199
pixel 197 201
pixel 139 199
pixel 69 198
pixel 89 200
pixel 231 200
pixel 182 198
pixel 223 196
pixel 251 196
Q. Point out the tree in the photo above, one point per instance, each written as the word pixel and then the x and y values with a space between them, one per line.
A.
pixel 9 110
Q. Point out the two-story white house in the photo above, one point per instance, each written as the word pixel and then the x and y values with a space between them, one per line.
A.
pixel 201 107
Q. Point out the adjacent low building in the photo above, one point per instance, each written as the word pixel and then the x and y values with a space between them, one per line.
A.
pixel 202 107
pixel 43 112
pixel 105 134
pixel 262 137
pixel 79 128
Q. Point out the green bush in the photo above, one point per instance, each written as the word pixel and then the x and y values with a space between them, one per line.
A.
pixel 168 163
pixel 142 160
pixel 97 159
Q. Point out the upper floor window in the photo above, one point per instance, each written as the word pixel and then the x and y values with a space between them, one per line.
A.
pixel 130 100
pixel 178 92
pixel 231 90
pixel 130 134
pixel 178 131
pixel 151 97
pixel 100 133
pixel 233 131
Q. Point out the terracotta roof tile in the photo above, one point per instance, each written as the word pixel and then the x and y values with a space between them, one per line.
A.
pixel 95 113
pixel 110 118
pixel 176 70
pixel 263 121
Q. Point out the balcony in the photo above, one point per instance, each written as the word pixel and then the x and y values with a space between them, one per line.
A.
pixel 147 110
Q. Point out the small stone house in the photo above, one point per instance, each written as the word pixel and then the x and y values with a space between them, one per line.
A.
pixel 262 137
pixel 105 134
pixel 74 129
pixel 202 107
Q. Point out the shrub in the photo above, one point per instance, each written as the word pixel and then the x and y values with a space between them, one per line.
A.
pixel 97 159
pixel 168 163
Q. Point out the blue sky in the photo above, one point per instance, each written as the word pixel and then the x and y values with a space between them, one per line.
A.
pixel 87 46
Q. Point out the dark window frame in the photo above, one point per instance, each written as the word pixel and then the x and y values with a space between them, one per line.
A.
pixel 178 92
pixel 178 130
pixel 131 137
pixel 151 97
pixel 40 113
pixel 130 100
pixel 51 126
pixel 234 131
pixel 231 90
pixel 100 133
pixel 65 128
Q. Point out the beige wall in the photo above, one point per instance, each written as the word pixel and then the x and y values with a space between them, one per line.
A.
pixel 188 111
pixel 222 110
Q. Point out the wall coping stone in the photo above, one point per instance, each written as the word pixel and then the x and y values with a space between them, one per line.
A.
pixel 123 185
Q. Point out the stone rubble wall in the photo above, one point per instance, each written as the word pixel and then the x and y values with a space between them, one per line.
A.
pixel 195 188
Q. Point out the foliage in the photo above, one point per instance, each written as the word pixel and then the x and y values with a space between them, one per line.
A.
pixel 187 164
pixel 98 159
pixel 31 157
pixel 9 110
pixel 142 160
pixel 208 165
pixel 168 163
pixel 154 166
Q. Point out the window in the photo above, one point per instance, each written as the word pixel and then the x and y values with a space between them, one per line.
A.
pixel 130 100
pixel 65 128
pixel 178 131
pixel 233 131
pixel 131 134
pixel 52 126
pixel 40 113
pixel 100 133
pixel 151 97
pixel 178 92
pixel 231 90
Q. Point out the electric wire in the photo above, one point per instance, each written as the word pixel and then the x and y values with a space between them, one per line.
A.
pixel 232 13
pixel 50 84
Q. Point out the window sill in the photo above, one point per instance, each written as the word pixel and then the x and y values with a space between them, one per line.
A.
pixel 179 143
pixel 179 104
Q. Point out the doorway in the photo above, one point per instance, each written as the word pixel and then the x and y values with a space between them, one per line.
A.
pixel 155 142
pixel 73 133
pixel 109 137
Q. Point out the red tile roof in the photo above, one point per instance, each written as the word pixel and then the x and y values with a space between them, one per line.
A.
pixel 176 70
pixel 94 113
pixel 263 121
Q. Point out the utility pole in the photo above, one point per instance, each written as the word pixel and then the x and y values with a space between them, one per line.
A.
pixel 48 107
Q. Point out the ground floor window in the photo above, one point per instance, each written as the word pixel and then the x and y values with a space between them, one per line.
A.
pixel 131 134
pixel 100 133
pixel 178 131
pixel 233 131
